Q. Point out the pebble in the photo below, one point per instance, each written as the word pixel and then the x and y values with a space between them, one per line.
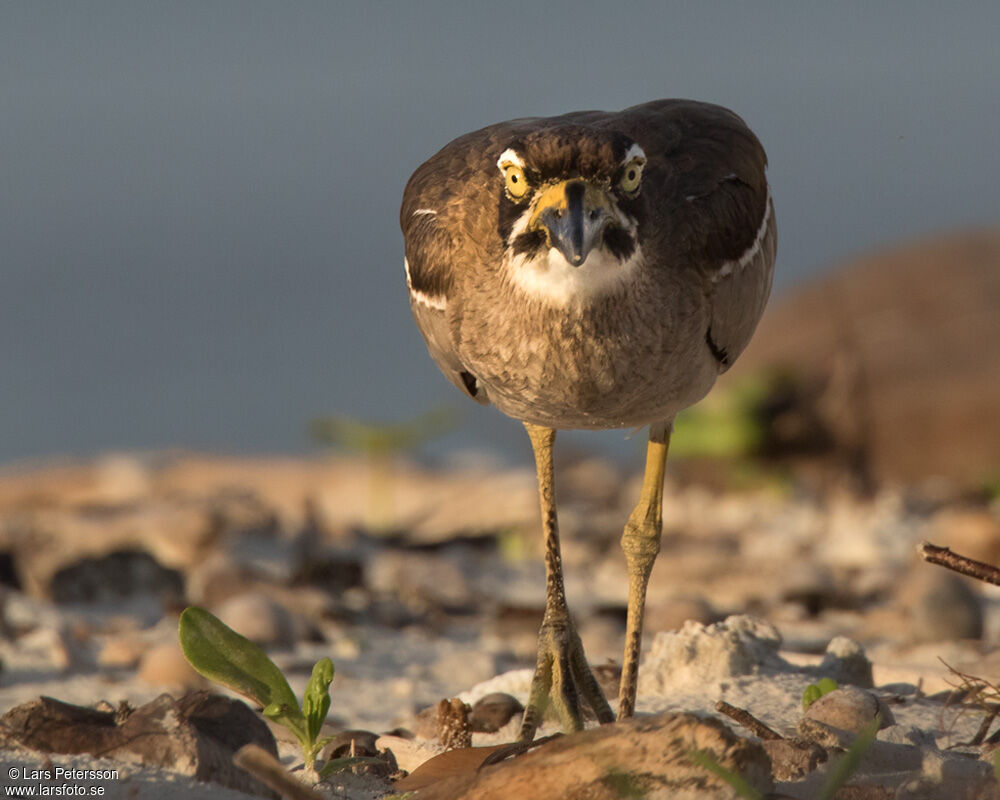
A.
pixel 122 651
pixel 845 661
pixel 164 665
pixel 340 746
pixel 849 709
pixel 492 712
pixel 260 619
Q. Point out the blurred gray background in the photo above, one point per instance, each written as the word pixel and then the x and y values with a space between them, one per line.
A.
pixel 199 242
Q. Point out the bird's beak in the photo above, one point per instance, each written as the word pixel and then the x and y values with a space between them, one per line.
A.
pixel 574 214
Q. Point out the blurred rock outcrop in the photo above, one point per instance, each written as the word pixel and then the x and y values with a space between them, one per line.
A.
pixel 891 364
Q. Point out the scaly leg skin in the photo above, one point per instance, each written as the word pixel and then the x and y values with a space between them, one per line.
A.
pixel 561 673
pixel 641 543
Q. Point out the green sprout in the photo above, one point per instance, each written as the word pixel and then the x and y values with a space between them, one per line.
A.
pixel 223 656
pixel 380 443
pixel 814 691
pixel 725 425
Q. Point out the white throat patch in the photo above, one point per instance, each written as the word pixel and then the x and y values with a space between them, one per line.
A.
pixel 549 277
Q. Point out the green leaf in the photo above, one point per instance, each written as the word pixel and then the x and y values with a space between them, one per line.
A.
pixel 814 691
pixel 738 782
pixel 316 700
pixel 220 654
pixel 844 767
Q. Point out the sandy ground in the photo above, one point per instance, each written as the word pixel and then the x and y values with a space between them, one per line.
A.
pixel 446 600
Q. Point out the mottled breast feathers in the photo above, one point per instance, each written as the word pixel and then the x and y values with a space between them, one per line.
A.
pixel 703 214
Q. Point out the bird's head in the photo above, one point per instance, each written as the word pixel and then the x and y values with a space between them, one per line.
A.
pixel 570 191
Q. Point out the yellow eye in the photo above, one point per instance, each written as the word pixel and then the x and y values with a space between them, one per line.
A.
pixel 632 176
pixel 517 184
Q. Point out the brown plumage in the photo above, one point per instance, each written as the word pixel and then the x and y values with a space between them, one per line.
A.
pixel 592 270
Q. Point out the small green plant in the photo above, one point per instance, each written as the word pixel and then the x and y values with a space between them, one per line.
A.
pixel 814 691
pixel 380 443
pixel 222 655
pixel 725 425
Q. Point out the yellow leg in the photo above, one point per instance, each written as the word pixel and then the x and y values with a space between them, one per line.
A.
pixel 561 671
pixel 641 543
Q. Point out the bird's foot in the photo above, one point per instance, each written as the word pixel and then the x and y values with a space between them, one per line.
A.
pixel 563 677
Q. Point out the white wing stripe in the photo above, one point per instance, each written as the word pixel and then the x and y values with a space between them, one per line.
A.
pixel 437 302
pixel 751 252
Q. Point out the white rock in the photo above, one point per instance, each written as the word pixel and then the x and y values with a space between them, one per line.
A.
pixel 699 654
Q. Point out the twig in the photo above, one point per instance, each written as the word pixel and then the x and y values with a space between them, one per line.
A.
pixel 984 728
pixel 515 749
pixel 269 771
pixel 748 721
pixel 943 556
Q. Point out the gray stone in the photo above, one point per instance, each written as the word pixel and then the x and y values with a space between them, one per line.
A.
pixel 849 709
pixel 492 712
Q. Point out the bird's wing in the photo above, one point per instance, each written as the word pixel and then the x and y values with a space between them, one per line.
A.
pixel 432 258
pixel 706 177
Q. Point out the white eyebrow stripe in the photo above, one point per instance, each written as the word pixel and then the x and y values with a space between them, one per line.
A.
pixel 634 152
pixel 751 252
pixel 510 156
pixel 420 212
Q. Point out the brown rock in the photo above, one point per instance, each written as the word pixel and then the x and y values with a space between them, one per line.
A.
pixel 649 757
pixel 908 387
pixel 196 735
